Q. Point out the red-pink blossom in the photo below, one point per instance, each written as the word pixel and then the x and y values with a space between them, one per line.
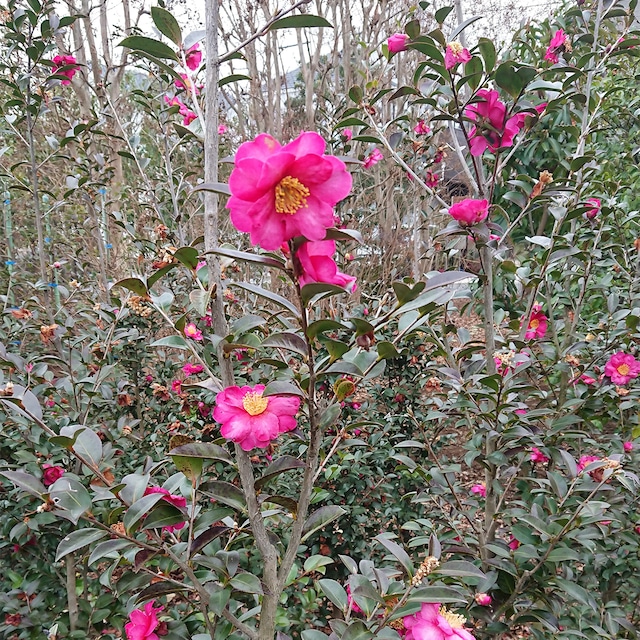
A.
pixel 513 543
pixel 251 419
pixel 397 42
pixel 347 134
pixel 483 599
pixel 192 369
pixel 557 45
pixel 537 457
pixel 317 265
pixel 622 368
pixel 179 502
pixel 65 66
pixel 520 412
pixel 434 622
pixel 278 192
pixel 222 129
pixel 143 623
pixel 191 331
pixel 590 214
pixel 51 473
pixel 193 56
pixel 454 54
pixel 373 158
pixel 354 605
pixel 421 128
pixel 176 386
pixel 203 409
pixel 188 116
pixel 186 84
pixel 585 461
pixel 469 211
pixel 628 446
pixel 587 379
pixel 479 489
pixel 537 327
pixel 492 129
pixel 431 179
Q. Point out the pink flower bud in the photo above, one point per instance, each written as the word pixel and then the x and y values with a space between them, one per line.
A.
pixel 398 42
pixel 628 446
pixel 483 599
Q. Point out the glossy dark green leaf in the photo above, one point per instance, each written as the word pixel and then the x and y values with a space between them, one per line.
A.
pixel 151 46
pixel 299 22
pixel 320 519
pixel 167 25
pixel 280 465
pixel 77 540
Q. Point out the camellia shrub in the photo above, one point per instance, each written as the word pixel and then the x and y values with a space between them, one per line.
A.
pixel 245 439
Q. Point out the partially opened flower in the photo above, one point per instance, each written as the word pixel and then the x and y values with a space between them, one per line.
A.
pixel 454 54
pixel 537 327
pixel 586 461
pixel 434 622
pixel 222 129
pixel 191 369
pixel 143 623
pixel 186 84
pixel 347 134
pixel 51 473
pixel 628 446
pixel 469 211
pixel 479 489
pixel 354 605
pixel 373 158
pixel 483 599
pixel 397 42
pixel 317 265
pixel 278 192
pixel 193 56
pixel 251 419
pixel 65 66
pixel 191 331
pixel 622 368
pixel 421 128
pixel 559 44
pixel 180 502
pixel 590 214
pixel 431 179
pixel 513 543
pixel 492 130
pixel 537 457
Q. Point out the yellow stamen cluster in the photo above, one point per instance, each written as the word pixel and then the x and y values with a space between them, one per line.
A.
pixel 505 357
pixel 623 369
pixel 291 195
pixel 429 564
pixel 138 305
pixel 456 48
pixel 455 620
pixel 254 403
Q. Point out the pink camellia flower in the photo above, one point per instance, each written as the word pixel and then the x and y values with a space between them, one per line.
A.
pixel 587 379
pixel 434 622
pixel 50 402
pixel 186 84
pixel 520 412
pixel 621 368
pixel 148 378
pixel 347 134
pixel 202 263
pixel 51 473
pixel 628 446
pixel 397 42
pixel 317 265
pixel 537 457
pixel 431 179
pixel 537 326
pixel 176 386
pixel 559 43
pixel 191 369
pixel 193 56
pixel 365 312
pixel 483 599
pixel 143 623
pixel 191 331
pixel 203 409
pixel 251 419
pixel 596 204
pixel 373 158
pixel 585 461
pixel 479 489
pixel 492 129
pixel 177 501
pixel 222 129
pixel 188 116
pixel 65 66
pixel 637 528
pixel 354 605
pixel 469 212
pixel 513 543
pixel 421 128
pixel 173 101
pixel 454 54
pixel 278 192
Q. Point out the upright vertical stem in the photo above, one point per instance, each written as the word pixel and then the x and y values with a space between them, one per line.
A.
pixel 72 598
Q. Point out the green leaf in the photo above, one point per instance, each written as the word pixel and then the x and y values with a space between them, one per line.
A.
pixel 299 22
pixel 561 554
pixel 330 416
pixel 157 590
pixel 26 482
pixel 151 46
pixel 71 498
pixel 282 387
pixel 226 493
pixel 317 291
pixel 234 77
pixel 462 26
pixel 87 443
pixel 387 350
pixel 412 29
pixel 356 94
pixel 460 568
pixel 282 464
pixel 320 326
pixel 138 510
pixel 488 53
pixel 207 450
pixel 133 284
pixel 135 485
pixel 441 14
pixel 163 515
pixel 206 537
pixel 108 549
pixel 401 555
pixel 357 631
pixel 247 583
pixel 188 256
pixel 314 634
pixel 320 518
pixel 335 348
pixel 273 297
pixel 436 594
pixel 78 539
pixel 287 340
pixel 219 599
pixel 167 25
pixel 335 592
pixel 216 187
pixel 177 342
pixel 199 301
pixel 316 562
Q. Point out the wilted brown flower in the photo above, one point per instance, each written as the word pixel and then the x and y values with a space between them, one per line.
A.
pixel 21 314
pixel 47 332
